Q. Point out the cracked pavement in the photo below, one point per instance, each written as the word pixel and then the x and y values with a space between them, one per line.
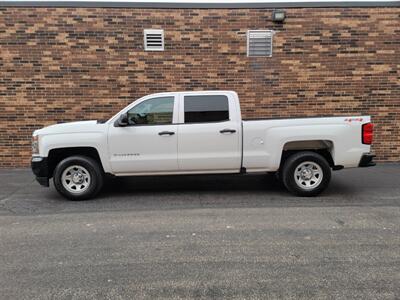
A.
pixel 205 237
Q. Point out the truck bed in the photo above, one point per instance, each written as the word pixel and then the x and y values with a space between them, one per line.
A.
pixel 264 139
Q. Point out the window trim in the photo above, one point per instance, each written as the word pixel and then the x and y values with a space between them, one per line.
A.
pixel 153 31
pixel 271 32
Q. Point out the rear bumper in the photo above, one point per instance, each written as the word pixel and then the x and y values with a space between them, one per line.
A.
pixel 366 160
pixel 41 170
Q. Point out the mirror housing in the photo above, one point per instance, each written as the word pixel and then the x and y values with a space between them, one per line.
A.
pixel 122 120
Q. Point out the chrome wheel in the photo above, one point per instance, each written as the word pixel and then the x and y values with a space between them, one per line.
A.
pixel 308 175
pixel 76 179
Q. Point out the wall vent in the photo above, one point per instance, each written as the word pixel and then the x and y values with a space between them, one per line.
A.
pixel 154 39
pixel 259 42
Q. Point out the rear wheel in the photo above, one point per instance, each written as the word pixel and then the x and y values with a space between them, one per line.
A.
pixel 306 173
pixel 78 178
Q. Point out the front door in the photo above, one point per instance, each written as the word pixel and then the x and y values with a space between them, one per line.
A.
pixel 149 143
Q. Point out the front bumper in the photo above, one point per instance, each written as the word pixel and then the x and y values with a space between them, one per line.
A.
pixel 40 169
pixel 366 160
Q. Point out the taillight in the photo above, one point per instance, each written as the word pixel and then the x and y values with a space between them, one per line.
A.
pixel 367 133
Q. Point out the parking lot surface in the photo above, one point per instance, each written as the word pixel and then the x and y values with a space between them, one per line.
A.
pixel 207 237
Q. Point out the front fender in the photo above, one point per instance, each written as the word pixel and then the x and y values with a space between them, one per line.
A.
pixel 96 140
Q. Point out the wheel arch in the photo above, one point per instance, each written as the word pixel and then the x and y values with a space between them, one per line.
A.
pixel 58 154
pixel 325 148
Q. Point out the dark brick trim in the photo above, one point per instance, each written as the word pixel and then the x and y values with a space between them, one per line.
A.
pixel 125 4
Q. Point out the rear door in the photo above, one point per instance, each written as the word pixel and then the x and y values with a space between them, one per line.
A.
pixel 208 133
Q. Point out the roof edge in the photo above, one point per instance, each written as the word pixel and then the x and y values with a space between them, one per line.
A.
pixel 188 4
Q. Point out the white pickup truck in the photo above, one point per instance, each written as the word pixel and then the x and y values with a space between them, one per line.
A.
pixel 198 133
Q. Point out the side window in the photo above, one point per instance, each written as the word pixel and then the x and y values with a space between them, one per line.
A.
pixel 207 108
pixel 152 112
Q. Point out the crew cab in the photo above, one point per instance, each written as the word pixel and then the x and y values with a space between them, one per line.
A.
pixel 198 133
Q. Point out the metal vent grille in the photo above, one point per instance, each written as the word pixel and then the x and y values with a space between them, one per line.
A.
pixel 259 42
pixel 153 39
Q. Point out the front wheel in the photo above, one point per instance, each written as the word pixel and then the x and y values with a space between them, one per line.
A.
pixel 78 178
pixel 306 173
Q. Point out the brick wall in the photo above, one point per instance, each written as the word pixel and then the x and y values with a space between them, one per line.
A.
pixel 65 64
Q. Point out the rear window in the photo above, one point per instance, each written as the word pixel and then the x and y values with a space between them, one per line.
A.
pixel 205 109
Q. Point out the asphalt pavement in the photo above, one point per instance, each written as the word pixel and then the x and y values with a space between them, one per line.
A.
pixel 206 237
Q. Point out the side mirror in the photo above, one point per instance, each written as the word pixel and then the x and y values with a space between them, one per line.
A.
pixel 122 121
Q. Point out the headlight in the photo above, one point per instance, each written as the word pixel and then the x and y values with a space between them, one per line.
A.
pixel 35 144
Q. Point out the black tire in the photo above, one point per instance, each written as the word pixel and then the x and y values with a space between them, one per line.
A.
pixel 88 164
pixel 294 161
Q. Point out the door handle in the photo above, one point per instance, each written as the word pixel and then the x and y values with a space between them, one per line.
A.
pixel 166 133
pixel 227 131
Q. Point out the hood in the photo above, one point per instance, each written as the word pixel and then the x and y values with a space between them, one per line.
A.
pixel 71 127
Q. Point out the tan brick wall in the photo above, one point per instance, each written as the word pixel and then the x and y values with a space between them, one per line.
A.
pixel 65 64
